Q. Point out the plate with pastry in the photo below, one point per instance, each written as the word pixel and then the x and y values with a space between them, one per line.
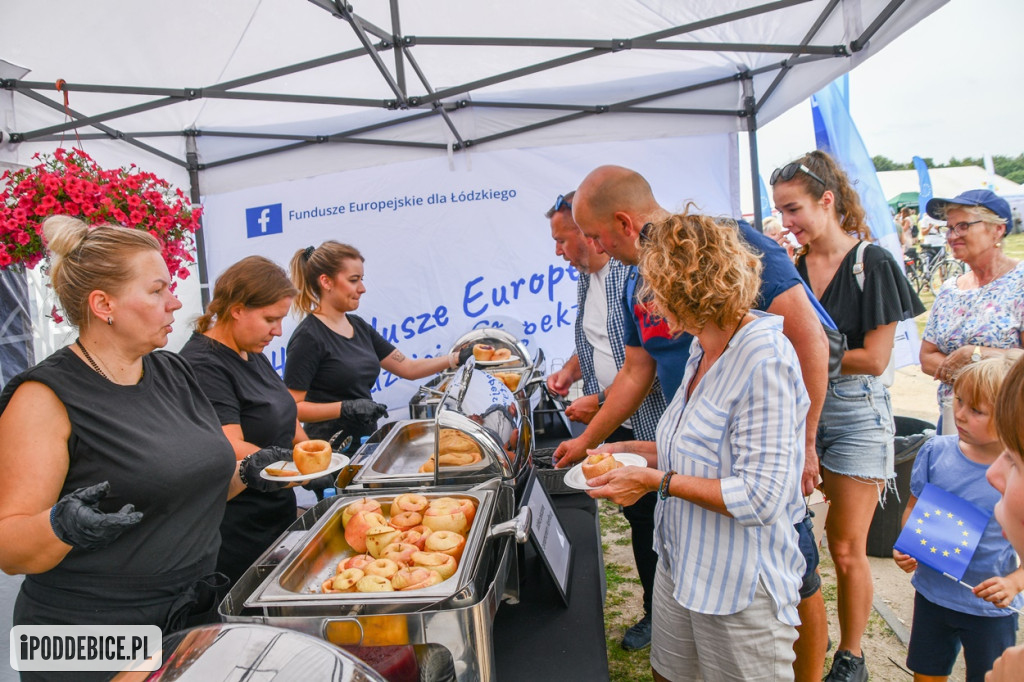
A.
pixel 595 465
pixel 310 459
pixel 489 356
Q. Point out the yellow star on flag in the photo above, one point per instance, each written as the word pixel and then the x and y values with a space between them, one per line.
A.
pixel 949 515
pixel 934 550
pixel 917 530
pixel 959 523
pixel 945 552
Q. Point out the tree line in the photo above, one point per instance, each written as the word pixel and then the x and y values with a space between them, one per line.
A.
pixel 1010 167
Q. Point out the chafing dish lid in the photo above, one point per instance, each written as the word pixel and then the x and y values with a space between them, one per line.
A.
pixel 223 651
pixel 499 338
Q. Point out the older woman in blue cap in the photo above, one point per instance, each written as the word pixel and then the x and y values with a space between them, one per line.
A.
pixel 979 314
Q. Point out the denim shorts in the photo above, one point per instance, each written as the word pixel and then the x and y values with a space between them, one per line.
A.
pixel 856 430
pixel 809 548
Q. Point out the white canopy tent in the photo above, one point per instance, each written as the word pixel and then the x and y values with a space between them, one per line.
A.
pixel 246 92
pixel 240 99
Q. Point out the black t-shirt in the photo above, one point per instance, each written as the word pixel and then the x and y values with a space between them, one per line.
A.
pixel 331 367
pixel 886 298
pixel 251 394
pixel 162 449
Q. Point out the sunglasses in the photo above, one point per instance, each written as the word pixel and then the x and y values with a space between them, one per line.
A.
pixel 561 203
pixel 787 172
pixel 646 233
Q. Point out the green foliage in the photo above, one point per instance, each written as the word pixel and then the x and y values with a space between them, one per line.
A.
pixel 1010 167
pixel 884 163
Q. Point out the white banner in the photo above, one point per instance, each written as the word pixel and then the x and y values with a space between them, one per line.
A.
pixel 452 245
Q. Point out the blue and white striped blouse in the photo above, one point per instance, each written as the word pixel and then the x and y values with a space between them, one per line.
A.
pixel 743 424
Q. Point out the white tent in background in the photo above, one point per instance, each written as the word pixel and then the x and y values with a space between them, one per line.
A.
pixel 946 182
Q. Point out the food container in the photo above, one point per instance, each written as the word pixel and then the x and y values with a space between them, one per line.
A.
pixel 456 614
pixel 423 405
pixel 473 403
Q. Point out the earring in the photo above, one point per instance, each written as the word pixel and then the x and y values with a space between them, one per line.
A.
pixel 110 321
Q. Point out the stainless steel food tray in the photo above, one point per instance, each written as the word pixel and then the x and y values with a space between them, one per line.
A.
pixel 299 577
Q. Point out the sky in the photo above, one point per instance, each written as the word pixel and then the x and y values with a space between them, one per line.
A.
pixel 953 85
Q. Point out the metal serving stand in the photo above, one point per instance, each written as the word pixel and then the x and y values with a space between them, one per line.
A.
pixel 423 405
pixel 282 587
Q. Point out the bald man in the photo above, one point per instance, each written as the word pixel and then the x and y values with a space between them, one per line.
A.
pixel 612 205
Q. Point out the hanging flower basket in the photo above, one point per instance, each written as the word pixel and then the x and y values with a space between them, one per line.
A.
pixel 70 183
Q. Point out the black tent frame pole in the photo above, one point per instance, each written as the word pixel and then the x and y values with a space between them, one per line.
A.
pixel 192 159
pixel 749 103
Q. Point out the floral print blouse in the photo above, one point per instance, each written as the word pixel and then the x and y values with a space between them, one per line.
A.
pixel 991 316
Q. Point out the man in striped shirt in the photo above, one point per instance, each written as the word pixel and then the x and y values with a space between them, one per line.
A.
pixel 600 353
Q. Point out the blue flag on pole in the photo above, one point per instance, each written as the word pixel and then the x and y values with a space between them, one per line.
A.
pixel 943 531
pixel 766 204
pixel 925 182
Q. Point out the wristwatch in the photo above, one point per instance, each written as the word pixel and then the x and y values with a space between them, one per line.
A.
pixel 976 355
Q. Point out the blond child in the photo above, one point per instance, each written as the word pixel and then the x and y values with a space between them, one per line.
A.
pixel 946 614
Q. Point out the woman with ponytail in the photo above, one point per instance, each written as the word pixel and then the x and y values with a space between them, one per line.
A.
pixel 864 291
pixel 334 356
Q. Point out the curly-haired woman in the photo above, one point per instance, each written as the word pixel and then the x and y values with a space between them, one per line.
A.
pixel 863 289
pixel 727 465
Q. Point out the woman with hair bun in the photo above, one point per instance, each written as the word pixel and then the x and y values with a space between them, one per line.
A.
pixel 334 356
pixel 862 288
pixel 116 471
pixel 255 410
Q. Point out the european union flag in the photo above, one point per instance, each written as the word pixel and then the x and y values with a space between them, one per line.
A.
pixel 943 531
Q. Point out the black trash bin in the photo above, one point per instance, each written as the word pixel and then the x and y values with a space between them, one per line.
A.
pixel 888 521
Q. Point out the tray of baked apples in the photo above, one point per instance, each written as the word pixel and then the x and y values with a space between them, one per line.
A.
pixel 403 545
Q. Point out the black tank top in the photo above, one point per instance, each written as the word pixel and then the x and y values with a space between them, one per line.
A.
pixel 160 445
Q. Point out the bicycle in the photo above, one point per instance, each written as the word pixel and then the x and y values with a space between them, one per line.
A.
pixel 931 268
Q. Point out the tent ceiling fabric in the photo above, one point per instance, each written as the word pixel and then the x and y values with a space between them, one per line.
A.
pixel 372 82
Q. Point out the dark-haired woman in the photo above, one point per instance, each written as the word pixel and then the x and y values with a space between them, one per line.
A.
pixel 821 209
pixel 334 357
pixel 250 299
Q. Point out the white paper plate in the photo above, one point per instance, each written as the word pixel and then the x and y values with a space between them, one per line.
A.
pixel 492 363
pixel 574 477
pixel 338 461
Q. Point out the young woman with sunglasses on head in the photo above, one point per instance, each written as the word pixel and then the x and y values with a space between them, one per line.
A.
pixel 821 209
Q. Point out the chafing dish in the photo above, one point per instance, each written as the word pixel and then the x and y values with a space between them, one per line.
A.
pixel 456 613
pixel 474 403
pixel 423 405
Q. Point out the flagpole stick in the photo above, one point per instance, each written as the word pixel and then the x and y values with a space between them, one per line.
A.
pixel 971 588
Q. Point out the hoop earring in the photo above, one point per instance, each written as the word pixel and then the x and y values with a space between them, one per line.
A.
pixel 110 321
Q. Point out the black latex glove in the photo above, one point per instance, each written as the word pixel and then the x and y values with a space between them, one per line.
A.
pixel 253 464
pixel 363 411
pixel 77 520
pixel 465 354
pixel 322 483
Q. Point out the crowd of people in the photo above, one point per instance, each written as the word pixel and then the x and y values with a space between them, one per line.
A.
pixel 702 345
pixel 752 399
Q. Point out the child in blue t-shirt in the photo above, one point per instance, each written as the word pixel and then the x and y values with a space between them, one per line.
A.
pixel 947 614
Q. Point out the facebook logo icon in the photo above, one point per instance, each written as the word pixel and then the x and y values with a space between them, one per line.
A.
pixel 262 220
